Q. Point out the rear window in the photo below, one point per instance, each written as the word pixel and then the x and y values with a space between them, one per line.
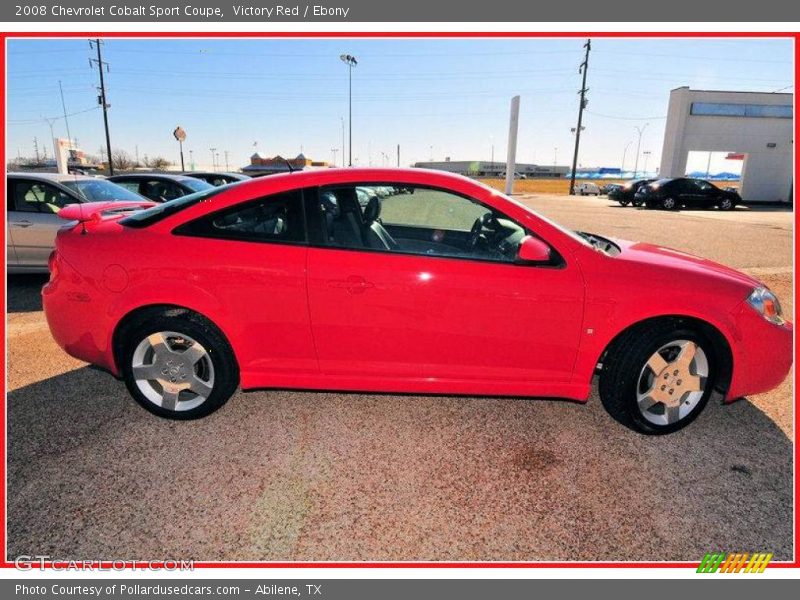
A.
pixel 196 185
pixel 146 217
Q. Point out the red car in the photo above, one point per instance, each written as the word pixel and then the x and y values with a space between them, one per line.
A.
pixel 401 281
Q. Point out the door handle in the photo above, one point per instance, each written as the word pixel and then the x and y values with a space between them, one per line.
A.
pixel 355 284
pixel 21 223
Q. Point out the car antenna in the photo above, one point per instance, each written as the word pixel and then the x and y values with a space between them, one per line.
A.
pixel 288 165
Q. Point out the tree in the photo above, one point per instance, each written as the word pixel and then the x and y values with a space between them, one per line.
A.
pixel 121 160
pixel 157 162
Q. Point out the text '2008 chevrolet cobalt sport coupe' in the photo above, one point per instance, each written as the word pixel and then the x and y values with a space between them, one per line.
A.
pixel 401 281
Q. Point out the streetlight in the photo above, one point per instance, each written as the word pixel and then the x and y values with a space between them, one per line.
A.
pixel 334 150
pixel 646 155
pixel 640 131
pixel 624 152
pixel 213 159
pixel 351 62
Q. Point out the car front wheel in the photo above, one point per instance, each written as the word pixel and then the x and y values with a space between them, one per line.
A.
pixel 624 202
pixel 669 203
pixel 658 379
pixel 725 204
pixel 179 367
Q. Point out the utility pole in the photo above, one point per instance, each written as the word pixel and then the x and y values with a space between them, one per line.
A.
pixel 398 155
pixel 226 161
pixel 343 146
pixel 36 149
pixel 351 62
pixel 584 68
pixel 213 159
pixel 640 131
pixel 51 121
pixel 102 99
pixel 624 152
pixel 334 151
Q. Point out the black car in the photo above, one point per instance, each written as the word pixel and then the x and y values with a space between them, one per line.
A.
pixel 161 187
pixel 626 194
pixel 217 179
pixel 671 194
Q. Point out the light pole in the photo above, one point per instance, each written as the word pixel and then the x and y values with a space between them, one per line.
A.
pixel 213 159
pixel 640 131
pixel 624 152
pixel 646 155
pixel 351 62
pixel 191 158
pixel 334 150
pixel 555 156
pixel 708 165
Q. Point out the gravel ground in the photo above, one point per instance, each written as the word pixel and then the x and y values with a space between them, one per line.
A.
pixel 284 475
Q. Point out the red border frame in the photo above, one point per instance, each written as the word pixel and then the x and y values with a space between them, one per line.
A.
pixel 393 34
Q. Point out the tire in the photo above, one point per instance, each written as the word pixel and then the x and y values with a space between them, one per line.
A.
pixel 624 202
pixel 172 349
pixel 627 376
pixel 726 204
pixel 638 203
pixel 669 203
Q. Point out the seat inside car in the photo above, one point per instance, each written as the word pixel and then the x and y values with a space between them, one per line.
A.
pixel 374 231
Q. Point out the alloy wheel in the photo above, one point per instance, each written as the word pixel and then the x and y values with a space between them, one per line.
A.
pixel 173 371
pixel 672 382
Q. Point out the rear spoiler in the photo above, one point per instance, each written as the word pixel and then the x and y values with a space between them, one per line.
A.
pixel 94 211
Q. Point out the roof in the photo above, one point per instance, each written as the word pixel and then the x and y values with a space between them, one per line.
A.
pixel 137 175
pixel 57 177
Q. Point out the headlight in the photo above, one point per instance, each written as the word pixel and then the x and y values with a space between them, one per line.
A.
pixel 766 304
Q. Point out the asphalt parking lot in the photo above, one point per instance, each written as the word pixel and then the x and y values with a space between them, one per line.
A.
pixel 281 475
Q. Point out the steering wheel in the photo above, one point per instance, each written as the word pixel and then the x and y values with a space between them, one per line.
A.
pixel 477 229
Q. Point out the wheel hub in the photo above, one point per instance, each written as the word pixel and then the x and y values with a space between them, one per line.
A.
pixel 672 382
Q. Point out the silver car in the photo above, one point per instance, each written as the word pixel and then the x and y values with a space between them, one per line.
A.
pixel 33 201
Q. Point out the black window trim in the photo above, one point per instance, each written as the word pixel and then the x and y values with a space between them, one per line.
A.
pixel 234 238
pixel 557 262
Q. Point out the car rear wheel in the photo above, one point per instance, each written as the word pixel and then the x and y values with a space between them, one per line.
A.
pixel 637 202
pixel 624 202
pixel 179 367
pixel 669 203
pixel 725 204
pixel 658 379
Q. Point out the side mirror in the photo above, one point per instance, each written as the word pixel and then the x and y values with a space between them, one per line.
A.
pixel 533 250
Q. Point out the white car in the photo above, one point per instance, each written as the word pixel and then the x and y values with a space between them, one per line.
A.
pixel 587 188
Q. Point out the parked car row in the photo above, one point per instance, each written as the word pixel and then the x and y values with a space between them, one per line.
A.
pixel 675 193
pixel 34 200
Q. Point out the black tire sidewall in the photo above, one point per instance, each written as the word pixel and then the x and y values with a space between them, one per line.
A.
pixel 630 392
pixel 226 374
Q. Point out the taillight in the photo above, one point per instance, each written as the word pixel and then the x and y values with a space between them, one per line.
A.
pixel 52 263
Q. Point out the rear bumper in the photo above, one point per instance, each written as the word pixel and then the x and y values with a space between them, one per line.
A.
pixel 77 321
pixel 762 354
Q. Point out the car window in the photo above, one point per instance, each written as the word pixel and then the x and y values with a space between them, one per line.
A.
pixel 132 185
pixel 161 190
pixel 98 190
pixel 411 219
pixel 276 218
pixel 38 197
pixel 196 185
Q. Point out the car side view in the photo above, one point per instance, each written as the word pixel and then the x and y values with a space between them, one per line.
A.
pixel 671 194
pixel 402 280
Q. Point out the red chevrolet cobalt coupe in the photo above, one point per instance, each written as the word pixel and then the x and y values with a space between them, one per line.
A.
pixel 401 281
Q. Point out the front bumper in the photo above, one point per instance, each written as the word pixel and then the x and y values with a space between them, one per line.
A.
pixel 762 353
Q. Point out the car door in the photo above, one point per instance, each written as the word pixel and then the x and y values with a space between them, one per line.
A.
pixel 11 254
pixel 404 296
pixel 34 220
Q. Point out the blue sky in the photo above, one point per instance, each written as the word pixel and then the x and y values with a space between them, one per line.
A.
pixel 435 98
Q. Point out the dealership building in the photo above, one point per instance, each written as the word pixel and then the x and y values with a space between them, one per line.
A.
pixel 756 125
pixel 485 168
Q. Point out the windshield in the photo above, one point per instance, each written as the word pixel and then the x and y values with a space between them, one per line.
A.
pixel 143 218
pixel 100 190
pixel 198 185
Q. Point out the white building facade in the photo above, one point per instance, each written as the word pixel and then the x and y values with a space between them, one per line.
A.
pixel 758 125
